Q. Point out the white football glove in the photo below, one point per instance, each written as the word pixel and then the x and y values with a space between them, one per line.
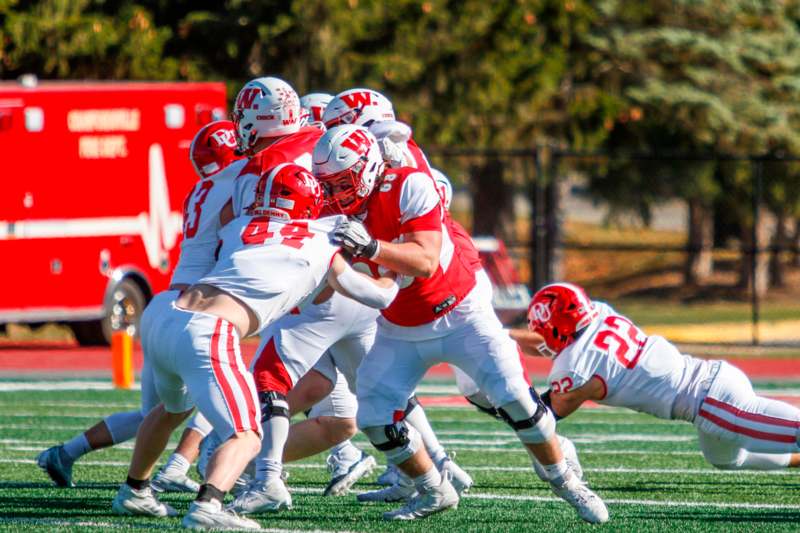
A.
pixel 391 151
pixel 351 235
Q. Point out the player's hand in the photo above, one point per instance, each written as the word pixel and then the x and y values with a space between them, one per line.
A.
pixel 354 238
pixel 392 152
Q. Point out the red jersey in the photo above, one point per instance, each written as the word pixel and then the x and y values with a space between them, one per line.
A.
pixel 407 201
pixel 458 233
pixel 294 148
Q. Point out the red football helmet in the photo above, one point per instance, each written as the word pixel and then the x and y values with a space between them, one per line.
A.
pixel 288 192
pixel 214 148
pixel 557 312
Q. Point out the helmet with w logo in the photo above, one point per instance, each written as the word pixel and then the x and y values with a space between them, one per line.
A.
pixel 347 161
pixel 265 107
pixel 214 148
pixel 558 312
pixel 287 192
pixel 360 107
pixel 312 106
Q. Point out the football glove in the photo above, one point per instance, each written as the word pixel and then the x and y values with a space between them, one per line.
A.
pixel 392 152
pixel 354 237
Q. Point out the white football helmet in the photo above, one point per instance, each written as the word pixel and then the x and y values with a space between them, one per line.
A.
pixel 347 162
pixel 265 107
pixel 312 106
pixel 444 187
pixel 361 107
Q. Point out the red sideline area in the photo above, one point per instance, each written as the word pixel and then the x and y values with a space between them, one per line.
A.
pixel 43 358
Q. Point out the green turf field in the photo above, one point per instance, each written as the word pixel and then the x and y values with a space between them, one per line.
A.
pixel 648 471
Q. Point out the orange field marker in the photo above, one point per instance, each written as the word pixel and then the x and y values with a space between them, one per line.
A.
pixel 122 359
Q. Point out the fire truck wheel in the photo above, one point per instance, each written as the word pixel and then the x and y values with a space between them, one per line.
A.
pixel 123 311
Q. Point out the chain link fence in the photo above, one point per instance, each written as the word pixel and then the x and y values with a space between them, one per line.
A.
pixel 701 249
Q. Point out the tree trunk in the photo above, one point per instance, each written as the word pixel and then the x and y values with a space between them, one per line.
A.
pixel 796 243
pixel 779 243
pixel 700 259
pixel 756 251
pixel 490 199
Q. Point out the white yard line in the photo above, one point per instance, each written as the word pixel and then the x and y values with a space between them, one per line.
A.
pixel 10 386
pixel 64 522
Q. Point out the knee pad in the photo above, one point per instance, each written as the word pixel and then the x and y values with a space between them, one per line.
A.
pixel 273 404
pixel 530 418
pixel 399 441
pixel 483 405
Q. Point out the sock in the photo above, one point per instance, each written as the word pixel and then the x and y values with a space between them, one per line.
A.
pixel 766 461
pixel 428 481
pixel 137 484
pixel 177 463
pixel 346 451
pixel 556 472
pixel 209 492
pixel 417 418
pixel 77 446
pixel 269 462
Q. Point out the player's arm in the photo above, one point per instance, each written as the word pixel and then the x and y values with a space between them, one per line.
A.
pixel 564 404
pixel 376 293
pixel 417 255
pixel 528 341
pixel 226 214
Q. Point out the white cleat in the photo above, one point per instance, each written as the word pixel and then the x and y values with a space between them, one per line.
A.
pixel 571 456
pixel 172 481
pixel 402 491
pixel 389 477
pixel 427 503
pixel 132 502
pixel 211 515
pixel 588 504
pixel 262 497
pixel 458 477
pixel 345 475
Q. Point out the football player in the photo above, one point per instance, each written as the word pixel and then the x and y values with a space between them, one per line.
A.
pixel 602 356
pixel 312 106
pixel 436 317
pixel 270 226
pixel 213 149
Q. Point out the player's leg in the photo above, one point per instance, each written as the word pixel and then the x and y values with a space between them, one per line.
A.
pixel 490 357
pixel 159 342
pixel 386 379
pixel 733 412
pixel 226 396
pixel 173 475
pixel 337 415
pixel 725 454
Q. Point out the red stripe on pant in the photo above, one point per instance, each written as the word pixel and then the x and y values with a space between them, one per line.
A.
pixel 236 365
pixel 270 372
pixel 730 426
pixel 225 386
pixel 755 417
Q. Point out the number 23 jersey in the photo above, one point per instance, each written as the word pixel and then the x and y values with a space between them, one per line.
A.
pixel 646 374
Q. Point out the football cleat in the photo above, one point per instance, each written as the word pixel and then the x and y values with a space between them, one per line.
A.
pixel 575 492
pixel 458 477
pixel 261 496
pixel 403 490
pixel 211 515
pixel 345 475
pixel 427 503
pixel 172 481
pixel 570 455
pixel 389 476
pixel 57 464
pixel 131 502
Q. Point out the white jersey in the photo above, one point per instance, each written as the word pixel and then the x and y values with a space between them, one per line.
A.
pixel 646 374
pixel 272 265
pixel 201 223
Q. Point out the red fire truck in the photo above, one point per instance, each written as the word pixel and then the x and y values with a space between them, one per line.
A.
pixel 94 176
